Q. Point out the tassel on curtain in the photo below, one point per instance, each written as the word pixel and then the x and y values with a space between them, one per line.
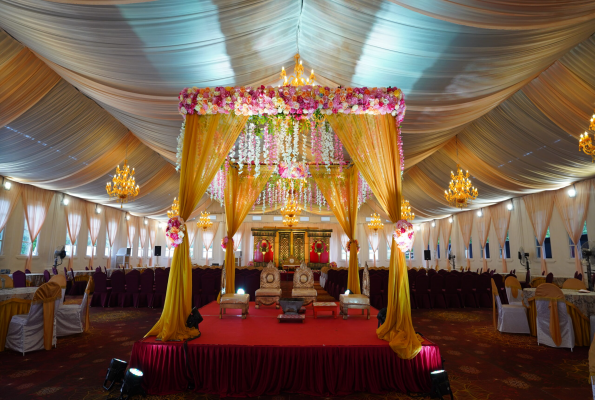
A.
pixel 340 191
pixel 207 141
pixel 94 224
pixel 240 194
pixel 372 143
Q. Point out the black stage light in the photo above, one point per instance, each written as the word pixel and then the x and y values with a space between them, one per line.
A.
pixel 194 318
pixel 440 384
pixel 381 316
pixel 115 373
pixel 132 385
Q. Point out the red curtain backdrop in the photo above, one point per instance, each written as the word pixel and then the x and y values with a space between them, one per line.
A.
pixel 268 256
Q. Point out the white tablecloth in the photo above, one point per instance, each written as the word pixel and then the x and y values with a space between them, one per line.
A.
pixel 25 293
pixel 585 302
pixel 35 278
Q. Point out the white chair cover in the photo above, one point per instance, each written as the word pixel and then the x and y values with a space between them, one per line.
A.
pixel 70 319
pixel 511 318
pixel 543 324
pixel 592 327
pixel 514 301
pixel 25 332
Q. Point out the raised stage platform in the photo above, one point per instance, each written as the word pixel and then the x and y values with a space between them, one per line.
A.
pixel 260 356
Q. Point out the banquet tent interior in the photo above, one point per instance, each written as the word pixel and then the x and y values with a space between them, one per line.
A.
pixel 391 99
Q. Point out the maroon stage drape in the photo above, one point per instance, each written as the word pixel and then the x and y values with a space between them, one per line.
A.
pixel 234 370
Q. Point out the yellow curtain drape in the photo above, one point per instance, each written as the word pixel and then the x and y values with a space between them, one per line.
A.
pixel 372 143
pixel 240 194
pixel 207 141
pixel 47 294
pixel 340 191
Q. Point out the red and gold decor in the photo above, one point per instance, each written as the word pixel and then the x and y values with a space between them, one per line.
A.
pixel 355 242
pixel 124 187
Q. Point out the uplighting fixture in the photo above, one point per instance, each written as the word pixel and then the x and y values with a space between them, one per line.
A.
pixel 440 384
pixel 406 212
pixel 572 192
pixel 125 188
pixel 175 209
pixel 376 223
pixel 204 222
pixel 297 80
pixel 132 385
pixel 347 292
pixel 241 291
pixel 115 373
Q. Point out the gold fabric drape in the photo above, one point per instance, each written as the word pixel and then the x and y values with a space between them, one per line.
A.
pixel 207 141
pixel 340 191
pixel 47 294
pixel 240 194
pixel 371 141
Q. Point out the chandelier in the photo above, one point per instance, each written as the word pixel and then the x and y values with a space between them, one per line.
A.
pixel 376 223
pixel 175 209
pixel 460 189
pixel 204 222
pixel 125 187
pixel 290 221
pixel 291 209
pixel 406 212
pixel 586 144
pixel 297 80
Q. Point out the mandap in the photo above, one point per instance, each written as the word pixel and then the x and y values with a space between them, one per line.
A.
pixel 367 123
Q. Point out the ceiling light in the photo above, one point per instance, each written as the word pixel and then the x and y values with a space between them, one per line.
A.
pixel 65 200
pixel 7 185
pixel 97 209
pixel 572 192
pixel 450 220
pixel 127 217
pixel 509 206
pixel 433 224
pixel 479 213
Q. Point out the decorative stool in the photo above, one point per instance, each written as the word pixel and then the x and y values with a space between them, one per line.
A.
pixel 358 301
pixel 325 306
pixel 238 301
pixel 291 318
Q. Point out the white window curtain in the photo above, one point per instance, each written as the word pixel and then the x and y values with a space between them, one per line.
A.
pixel 142 235
pixel 74 212
pixel 168 246
pixel 344 240
pixel 8 199
pixel 93 224
pixel 573 211
pixel 445 231
pixel 539 208
pixel 501 220
pixel 131 229
pixel 425 238
pixel 373 240
pixel 208 236
pixel 152 237
pixel 465 220
pixel 191 229
pixel 435 233
pixel 112 223
pixel 483 230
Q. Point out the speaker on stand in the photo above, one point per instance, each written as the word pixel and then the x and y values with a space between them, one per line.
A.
pixel 157 253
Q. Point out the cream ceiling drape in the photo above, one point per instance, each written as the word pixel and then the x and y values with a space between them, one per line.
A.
pixel 8 199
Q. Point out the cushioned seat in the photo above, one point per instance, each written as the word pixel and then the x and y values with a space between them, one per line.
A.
pixel 303 284
pixel 268 292
pixel 270 287
pixel 239 301
pixel 357 301
pixel 303 292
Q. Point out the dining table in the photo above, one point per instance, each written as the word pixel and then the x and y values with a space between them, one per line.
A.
pixel 35 278
pixel 585 302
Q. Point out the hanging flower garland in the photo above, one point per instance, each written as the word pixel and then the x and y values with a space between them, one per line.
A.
pixel 403 234
pixel 175 231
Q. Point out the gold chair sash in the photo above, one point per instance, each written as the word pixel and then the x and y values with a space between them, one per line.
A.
pixel 551 292
pixel 513 283
pixel 573 283
pixel 47 294
pixel 60 280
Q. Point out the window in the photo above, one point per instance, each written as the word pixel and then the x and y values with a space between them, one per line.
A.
pixel 1 239
pixel 547 244
pixel 343 254
pixel 169 252
pixel 469 250
pixel 70 247
pixel 192 251
pixel 206 255
pixel 90 247
pixel 140 249
pixel 388 251
pixel 107 245
pixel 26 244
pixel 584 238
pixel 409 255
pixel 506 247
pixel 485 251
pixel 371 253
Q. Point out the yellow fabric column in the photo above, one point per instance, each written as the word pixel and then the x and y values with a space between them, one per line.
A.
pixel 207 141
pixel 372 143
pixel 240 194
pixel 340 191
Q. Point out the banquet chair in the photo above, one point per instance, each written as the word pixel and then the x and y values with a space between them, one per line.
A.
pixel 8 283
pixel 500 286
pixel 549 278
pixel 551 306
pixel 573 283
pixel 130 297
pixel 514 291
pixel 437 289
pixel 19 279
pixel 303 284
pixel 145 296
pixel 452 291
pixel 158 298
pixel 118 287
pixel 101 294
pixel 196 277
pixel 508 318
pixel 468 290
pixel 422 291
pixel 269 292
pixel 46 276
pixel 74 318
pixel 484 289
pixel 37 329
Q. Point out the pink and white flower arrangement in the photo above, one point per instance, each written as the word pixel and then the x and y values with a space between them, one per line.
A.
pixel 298 170
pixel 354 242
pixel 224 243
pixel 333 264
pixel 403 234
pixel 250 263
pixel 175 231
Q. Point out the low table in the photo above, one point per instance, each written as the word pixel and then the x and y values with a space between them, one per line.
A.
pixel 357 301
pixel 237 301
pixel 325 306
pixel 291 318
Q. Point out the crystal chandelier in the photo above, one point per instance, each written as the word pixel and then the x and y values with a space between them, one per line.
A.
pixel 460 189
pixel 175 209
pixel 297 80
pixel 290 221
pixel 125 188
pixel 291 209
pixel 376 223
pixel 406 212
pixel 204 222
pixel 586 144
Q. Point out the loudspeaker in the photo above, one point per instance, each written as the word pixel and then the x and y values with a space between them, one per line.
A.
pixel 157 251
pixel 128 251
pixel 427 254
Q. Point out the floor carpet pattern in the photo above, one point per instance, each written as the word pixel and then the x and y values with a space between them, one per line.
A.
pixel 481 363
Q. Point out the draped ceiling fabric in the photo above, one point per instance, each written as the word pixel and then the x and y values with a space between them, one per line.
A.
pixel 513 81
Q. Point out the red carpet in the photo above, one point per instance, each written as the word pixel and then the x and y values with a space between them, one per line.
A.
pixel 260 356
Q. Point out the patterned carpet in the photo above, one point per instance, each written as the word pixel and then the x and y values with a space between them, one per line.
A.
pixel 481 363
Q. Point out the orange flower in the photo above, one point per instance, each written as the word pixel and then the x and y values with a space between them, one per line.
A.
pixel 367 91
pixel 202 111
pixel 215 108
pixel 349 90
pixel 294 98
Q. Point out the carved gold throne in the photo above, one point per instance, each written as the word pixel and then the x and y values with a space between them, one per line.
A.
pixel 303 284
pixel 270 286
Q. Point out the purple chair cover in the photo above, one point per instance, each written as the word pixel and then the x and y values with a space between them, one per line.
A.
pixel 437 289
pixel 376 297
pixel 130 297
pixel 145 296
pixel 158 298
pixel 484 291
pixel 452 291
pixel 579 277
pixel 468 291
pixel 46 276
pixel 422 291
pixel 19 279
pixel 118 287
pixel 101 294
pixel 27 271
pixel 55 270
pixel 549 278
pixel 196 296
